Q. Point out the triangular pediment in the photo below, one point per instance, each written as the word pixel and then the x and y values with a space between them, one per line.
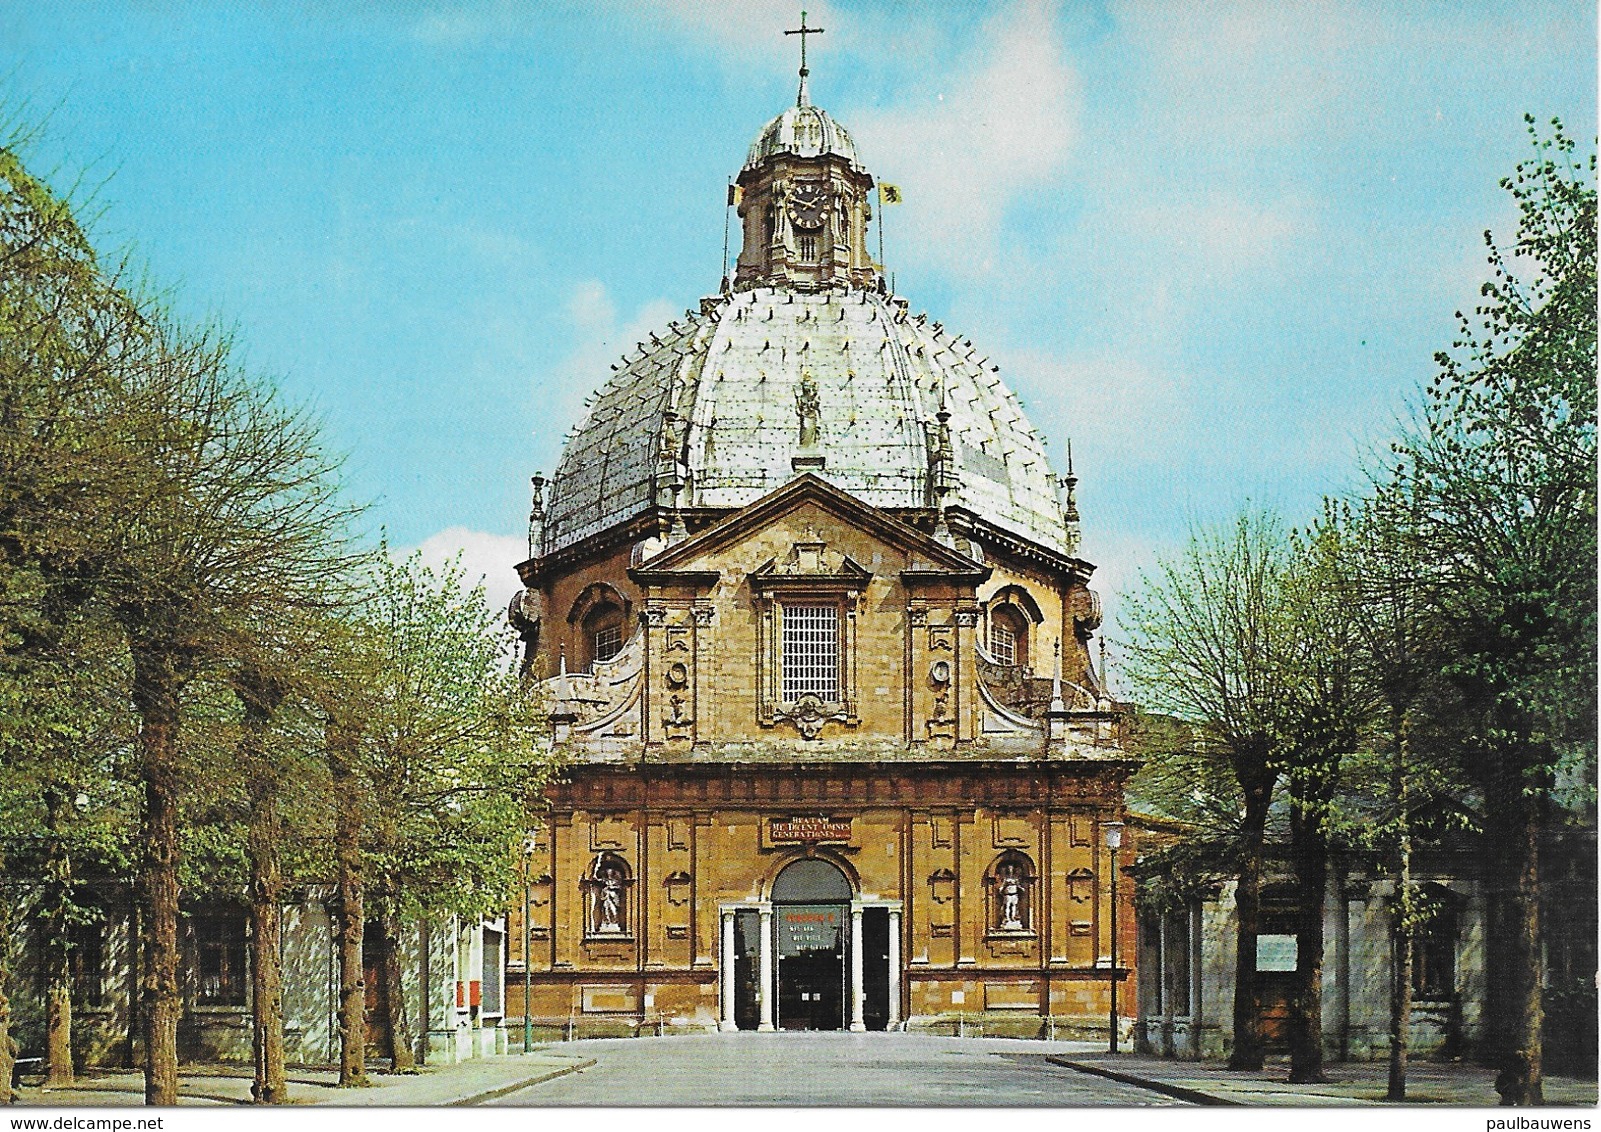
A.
pixel 923 554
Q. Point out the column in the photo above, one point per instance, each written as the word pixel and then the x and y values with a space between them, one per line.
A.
pixel 857 1025
pixel 725 973
pixel 894 968
pixel 767 991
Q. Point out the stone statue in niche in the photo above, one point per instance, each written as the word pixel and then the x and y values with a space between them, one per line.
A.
pixel 809 407
pixel 1012 887
pixel 609 899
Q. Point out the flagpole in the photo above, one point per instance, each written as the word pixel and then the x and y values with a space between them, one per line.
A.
pixel 881 266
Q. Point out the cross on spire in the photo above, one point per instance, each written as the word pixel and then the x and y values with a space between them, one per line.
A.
pixel 803 31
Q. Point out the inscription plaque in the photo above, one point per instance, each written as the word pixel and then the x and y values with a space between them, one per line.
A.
pixel 808 830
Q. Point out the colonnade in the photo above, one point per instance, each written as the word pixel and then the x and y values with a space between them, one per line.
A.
pixel 767 965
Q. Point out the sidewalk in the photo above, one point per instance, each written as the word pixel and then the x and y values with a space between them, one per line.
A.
pixel 467 1082
pixel 1350 1083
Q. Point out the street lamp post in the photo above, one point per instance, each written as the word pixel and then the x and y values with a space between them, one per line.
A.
pixel 1114 841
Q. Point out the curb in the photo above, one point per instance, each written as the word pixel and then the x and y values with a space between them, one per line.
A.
pixel 502 1090
pixel 1178 1092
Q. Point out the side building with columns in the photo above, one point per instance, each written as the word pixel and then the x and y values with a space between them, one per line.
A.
pixel 805 597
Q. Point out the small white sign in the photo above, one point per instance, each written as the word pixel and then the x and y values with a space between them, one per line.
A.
pixel 958 997
pixel 1276 952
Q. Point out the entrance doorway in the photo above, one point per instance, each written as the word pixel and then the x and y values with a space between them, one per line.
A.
pixel 811 966
pixel 811 921
pixel 792 961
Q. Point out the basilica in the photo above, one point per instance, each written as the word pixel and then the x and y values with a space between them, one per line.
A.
pixel 804 600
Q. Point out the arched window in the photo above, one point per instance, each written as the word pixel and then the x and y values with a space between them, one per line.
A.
pixel 606 888
pixel 603 633
pixel 811 880
pixel 1008 635
pixel 599 620
pixel 1010 884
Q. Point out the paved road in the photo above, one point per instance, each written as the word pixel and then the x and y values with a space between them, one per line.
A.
pixel 825 1069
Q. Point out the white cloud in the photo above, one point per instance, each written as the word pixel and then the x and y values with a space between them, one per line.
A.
pixel 967 144
pixel 486 558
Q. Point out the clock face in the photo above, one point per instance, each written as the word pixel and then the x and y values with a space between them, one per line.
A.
pixel 808 204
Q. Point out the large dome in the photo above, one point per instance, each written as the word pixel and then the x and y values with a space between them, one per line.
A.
pixel 713 401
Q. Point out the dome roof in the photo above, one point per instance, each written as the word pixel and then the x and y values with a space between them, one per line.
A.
pixel 803 130
pixel 712 401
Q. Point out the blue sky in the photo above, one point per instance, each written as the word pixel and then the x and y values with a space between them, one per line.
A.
pixel 1214 244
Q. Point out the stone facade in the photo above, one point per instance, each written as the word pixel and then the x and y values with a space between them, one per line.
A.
pixel 805 603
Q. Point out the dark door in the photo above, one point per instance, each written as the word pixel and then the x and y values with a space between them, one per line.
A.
pixel 811 966
pixel 747 964
pixel 811 991
pixel 377 1004
pixel 875 968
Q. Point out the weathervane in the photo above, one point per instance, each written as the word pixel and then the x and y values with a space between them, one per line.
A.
pixel 803 31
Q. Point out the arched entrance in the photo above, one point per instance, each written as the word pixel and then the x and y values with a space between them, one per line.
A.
pixel 811 916
pixel 813 954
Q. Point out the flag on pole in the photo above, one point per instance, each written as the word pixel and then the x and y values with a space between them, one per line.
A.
pixel 736 193
pixel 888 193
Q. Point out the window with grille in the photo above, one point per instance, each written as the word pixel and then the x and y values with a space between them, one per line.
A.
pixel 220 973
pixel 608 641
pixel 1003 643
pixel 494 943
pixel 811 652
pixel 808 249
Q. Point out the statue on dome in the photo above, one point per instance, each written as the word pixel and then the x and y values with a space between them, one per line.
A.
pixel 809 406
pixel 783 231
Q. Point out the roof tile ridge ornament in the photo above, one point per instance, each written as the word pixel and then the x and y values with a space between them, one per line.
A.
pixel 1056 716
pixel 944 472
pixel 1070 517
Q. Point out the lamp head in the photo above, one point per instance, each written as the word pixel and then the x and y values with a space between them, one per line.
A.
pixel 1114 834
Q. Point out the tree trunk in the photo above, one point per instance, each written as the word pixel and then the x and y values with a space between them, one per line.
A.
pixel 271 1085
pixel 1309 853
pixel 401 1059
pixel 1514 824
pixel 264 842
pixel 8 1044
pixel 1400 926
pixel 1400 988
pixel 1248 1049
pixel 58 946
pixel 352 914
pixel 157 684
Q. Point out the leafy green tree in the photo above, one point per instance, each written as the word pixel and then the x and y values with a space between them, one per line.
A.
pixel 240 515
pixel 66 331
pixel 1330 715
pixel 437 755
pixel 1499 475
pixel 1209 644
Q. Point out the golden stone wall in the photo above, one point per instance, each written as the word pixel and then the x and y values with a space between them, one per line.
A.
pixel 945 797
